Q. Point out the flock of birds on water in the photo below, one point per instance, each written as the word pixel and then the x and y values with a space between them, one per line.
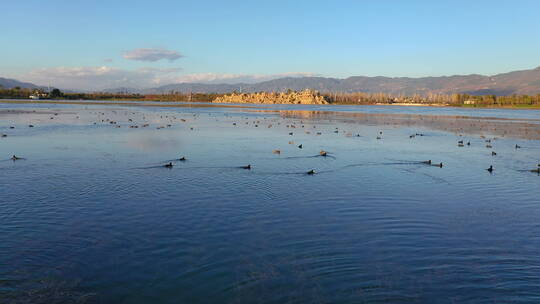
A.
pixel 256 123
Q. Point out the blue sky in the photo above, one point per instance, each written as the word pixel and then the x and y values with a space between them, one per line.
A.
pixel 88 43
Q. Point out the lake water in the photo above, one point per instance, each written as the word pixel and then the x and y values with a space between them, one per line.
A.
pixel 90 215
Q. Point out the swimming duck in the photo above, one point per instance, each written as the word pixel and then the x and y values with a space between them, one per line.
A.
pixel 427 162
pixel 310 172
pixel 15 158
pixel 276 151
pixel 300 146
pixel 490 169
pixel 248 167
pixel 493 153
pixel 537 170
pixel 439 165
pixel 323 153
pixel 183 158
pixel 518 146
pixel 169 165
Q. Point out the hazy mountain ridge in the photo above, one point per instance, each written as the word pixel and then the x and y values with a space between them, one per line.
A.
pixel 516 82
pixel 9 83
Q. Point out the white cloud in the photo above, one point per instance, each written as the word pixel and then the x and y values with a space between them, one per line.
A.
pixel 237 78
pixel 104 77
pixel 152 54
pixel 98 78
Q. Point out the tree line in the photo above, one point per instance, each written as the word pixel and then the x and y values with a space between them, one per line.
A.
pixel 360 98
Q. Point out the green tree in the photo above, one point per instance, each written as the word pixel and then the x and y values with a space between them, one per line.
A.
pixel 55 93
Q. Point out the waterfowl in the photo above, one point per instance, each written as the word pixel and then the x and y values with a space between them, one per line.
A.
pixel 4 135
pixel 460 142
pixel 518 146
pixel 248 167
pixel 310 172
pixel 169 165
pixel 378 137
pixel 439 165
pixel 489 146
pixel 290 133
pixel 12 127
pixel 468 143
pixel 15 158
pixel 460 145
pixel 493 153
pixel 537 170
pixel 30 126
pixel 183 158
pixel 412 136
pixel 276 151
pixel 300 146
pixel 490 169
pixel 427 162
pixel 323 153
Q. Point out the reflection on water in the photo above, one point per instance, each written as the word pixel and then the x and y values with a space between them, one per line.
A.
pixel 91 215
pixel 527 128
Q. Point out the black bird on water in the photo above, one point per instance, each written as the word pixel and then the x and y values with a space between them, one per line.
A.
pixel 15 157
pixel 490 169
pixel 427 162
pixel 310 172
pixel 169 165
pixel 518 146
pixel 300 146
pixel 248 167
pixel 183 158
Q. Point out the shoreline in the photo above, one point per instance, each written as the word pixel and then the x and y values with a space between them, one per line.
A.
pixel 157 103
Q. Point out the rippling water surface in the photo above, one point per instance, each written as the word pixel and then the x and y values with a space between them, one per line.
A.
pixel 90 215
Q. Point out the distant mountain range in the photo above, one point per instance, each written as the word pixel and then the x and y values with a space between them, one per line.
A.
pixel 518 82
pixel 9 83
